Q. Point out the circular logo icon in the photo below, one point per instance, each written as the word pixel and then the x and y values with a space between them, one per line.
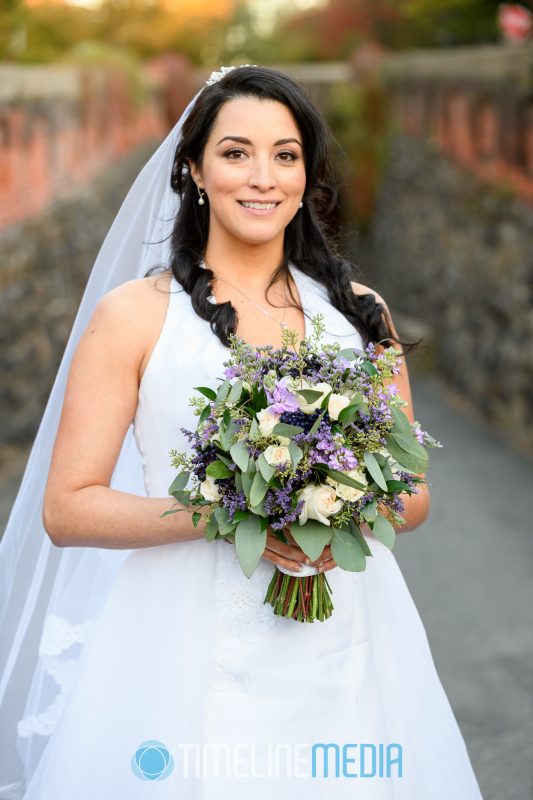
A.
pixel 152 761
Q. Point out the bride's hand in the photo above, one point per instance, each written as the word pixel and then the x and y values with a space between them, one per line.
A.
pixel 291 556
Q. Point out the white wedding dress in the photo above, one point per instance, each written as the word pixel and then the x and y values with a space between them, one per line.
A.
pixel 186 654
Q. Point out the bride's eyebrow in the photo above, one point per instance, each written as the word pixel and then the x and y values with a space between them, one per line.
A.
pixel 243 140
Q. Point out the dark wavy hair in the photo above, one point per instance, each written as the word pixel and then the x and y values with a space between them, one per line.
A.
pixel 309 241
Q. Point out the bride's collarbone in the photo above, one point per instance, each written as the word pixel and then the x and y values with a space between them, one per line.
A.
pixel 257 329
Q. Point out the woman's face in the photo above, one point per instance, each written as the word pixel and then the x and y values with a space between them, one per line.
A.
pixel 254 155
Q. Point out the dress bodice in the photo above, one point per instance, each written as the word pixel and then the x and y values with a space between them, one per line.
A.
pixel 188 354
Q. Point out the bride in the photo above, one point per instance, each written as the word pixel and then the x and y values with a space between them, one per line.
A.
pixel 154 651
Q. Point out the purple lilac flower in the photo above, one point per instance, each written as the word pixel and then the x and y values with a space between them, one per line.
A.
pixel 234 501
pixel 419 433
pixel 281 398
pixel 279 504
pixel 202 455
pixel 233 372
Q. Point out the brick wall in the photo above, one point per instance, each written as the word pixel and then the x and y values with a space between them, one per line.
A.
pixel 474 104
pixel 451 244
pixel 62 126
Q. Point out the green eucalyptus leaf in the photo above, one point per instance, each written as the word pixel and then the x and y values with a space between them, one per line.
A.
pixel 183 496
pixel 172 511
pixel 207 392
pixel 409 444
pixel 408 460
pixel 383 531
pixel 347 551
pixel 296 453
pixel 239 453
pixel 222 516
pixel 311 537
pixel 266 469
pixel 316 424
pixel 255 433
pixel 369 368
pixel 235 392
pixel 222 392
pixel 247 480
pixel 250 542
pixel 217 469
pixel 283 429
pixel 349 413
pixel 259 510
pixel 227 434
pixel 375 470
pixel 258 490
pixel 401 422
pixel 211 528
pixel 395 486
pixel 369 511
pixel 341 477
pixel 179 482
pixel 204 415
pixel 349 353
pixel 309 395
pixel 355 530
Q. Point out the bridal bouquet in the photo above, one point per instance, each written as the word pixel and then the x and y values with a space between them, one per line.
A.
pixel 307 440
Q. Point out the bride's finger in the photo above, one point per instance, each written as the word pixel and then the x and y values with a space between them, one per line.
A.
pixel 286 550
pixel 278 560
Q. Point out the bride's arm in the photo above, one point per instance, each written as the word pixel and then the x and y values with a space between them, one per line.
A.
pixel 416 505
pixel 80 508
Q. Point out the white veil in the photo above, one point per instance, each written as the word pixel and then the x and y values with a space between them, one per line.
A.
pixel 50 595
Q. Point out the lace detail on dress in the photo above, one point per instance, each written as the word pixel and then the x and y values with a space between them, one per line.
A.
pixel 239 600
pixel 58 635
pixel 242 617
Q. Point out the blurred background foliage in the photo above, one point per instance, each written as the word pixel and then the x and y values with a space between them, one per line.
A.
pixel 214 31
pixel 361 118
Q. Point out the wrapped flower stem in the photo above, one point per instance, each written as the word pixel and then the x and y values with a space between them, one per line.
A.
pixel 302 599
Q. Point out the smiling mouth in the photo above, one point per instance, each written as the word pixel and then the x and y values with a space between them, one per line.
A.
pixel 260 206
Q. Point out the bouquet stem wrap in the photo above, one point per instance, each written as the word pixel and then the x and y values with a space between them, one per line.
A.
pixel 304 599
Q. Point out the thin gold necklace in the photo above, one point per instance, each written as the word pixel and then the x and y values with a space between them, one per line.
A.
pixel 281 323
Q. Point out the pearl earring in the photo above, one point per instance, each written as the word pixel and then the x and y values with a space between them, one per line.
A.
pixel 201 200
pixel 301 205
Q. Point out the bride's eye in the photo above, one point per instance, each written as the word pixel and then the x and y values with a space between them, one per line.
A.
pixel 291 156
pixel 235 151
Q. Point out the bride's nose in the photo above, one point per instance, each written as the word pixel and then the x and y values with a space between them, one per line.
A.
pixel 262 173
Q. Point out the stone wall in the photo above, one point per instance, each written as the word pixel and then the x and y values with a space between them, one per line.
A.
pixel 72 140
pixel 451 244
pixel 45 265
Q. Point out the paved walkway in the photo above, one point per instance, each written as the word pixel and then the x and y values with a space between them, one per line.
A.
pixel 469 569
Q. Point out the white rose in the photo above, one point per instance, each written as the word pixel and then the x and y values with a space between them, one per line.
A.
pixel 209 489
pixel 349 493
pixel 304 406
pixel 336 403
pixel 267 420
pixel 277 454
pixel 319 503
pixel 284 439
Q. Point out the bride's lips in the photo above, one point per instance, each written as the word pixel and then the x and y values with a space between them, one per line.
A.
pixel 260 212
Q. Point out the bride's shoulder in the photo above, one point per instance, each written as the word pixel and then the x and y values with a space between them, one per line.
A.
pixel 138 296
pixel 141 288
pixel 135 308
